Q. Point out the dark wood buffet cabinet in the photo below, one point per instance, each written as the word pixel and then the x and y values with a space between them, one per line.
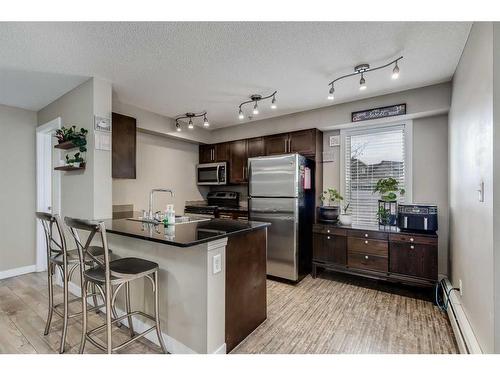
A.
pixel 380 253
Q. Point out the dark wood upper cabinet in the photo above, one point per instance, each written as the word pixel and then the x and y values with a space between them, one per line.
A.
pixel 238 162
pixel 255 147
pixel 222 151
pixel 206 153
pixel 124 143
pixel 214 153
pixel 303 142
pixel 276 144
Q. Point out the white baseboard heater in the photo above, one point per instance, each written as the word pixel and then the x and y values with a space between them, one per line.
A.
pixel 466 340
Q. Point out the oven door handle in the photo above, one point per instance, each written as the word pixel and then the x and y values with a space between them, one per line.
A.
pixel 218 174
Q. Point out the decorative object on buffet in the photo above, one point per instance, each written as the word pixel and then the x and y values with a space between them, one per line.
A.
pixel 329 210
pixel 191 116
pixel 361 70
pixel 372 114
pixel 345 218
pixel 388 188
pixel 255 99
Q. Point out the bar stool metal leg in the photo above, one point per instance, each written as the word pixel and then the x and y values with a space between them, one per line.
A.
pixel 84 316
pixel 65 303
pixel 127 303
pixel 50 273
pixel 157 315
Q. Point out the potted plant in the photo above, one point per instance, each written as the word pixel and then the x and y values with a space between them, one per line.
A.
pixel 78 137
pixel 388 188
pixel 345 218
pixel 329 211
pixel 75 161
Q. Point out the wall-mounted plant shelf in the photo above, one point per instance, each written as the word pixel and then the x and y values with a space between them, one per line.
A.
pixel 69 168
pixel 68 145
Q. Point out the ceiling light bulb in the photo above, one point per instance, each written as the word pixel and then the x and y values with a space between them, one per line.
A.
pixel 362 83
pixel 190 125
pixel 240 115
pixel 395 71
pixel 273 103
pixel 330 94
pixel 255 109
pixel 206 124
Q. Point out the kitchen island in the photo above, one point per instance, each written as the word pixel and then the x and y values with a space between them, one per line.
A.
pixel 212 279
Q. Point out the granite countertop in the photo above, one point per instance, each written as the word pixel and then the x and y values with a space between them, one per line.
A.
pixel 185 234
pixel 220 208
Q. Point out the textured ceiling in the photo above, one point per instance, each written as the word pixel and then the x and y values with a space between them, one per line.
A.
pixel 171 68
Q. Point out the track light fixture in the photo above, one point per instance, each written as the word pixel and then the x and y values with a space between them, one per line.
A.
pixel 190 116
pixel 361 70
pixel 255 99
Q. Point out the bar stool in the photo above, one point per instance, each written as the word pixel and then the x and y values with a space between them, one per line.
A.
pixel 67 261
pixel 113 273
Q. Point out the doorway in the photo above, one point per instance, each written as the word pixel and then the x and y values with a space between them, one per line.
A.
pixel 48 183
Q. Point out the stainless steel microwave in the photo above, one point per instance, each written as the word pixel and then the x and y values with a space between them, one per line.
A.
pixel 212 173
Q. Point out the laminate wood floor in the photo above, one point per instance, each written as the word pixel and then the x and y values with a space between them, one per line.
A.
pixel 329 314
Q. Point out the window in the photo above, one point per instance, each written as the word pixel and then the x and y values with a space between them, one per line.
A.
pixel 369 155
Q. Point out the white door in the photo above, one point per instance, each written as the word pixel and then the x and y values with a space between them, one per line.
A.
pixel 48 183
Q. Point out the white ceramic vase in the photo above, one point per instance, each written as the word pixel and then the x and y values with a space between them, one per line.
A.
pixel 345 219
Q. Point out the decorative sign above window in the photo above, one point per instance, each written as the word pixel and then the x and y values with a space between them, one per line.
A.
pixel 371 114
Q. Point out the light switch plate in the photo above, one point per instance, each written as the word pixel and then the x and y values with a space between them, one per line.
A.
pixel 217 263
pixel 334 140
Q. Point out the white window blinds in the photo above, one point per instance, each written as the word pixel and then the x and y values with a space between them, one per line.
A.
pixel 369 156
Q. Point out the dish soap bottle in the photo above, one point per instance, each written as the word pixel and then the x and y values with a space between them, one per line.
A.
pixel 169 215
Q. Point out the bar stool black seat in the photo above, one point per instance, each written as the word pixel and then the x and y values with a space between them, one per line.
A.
pixel 117 273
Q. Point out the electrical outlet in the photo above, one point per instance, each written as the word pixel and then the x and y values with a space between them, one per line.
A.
pixel 217 263
pixel 460 286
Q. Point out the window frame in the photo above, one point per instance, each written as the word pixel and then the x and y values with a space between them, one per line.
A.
pixel 408 162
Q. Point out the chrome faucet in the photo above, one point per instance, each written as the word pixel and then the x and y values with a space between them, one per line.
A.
pixel 151 213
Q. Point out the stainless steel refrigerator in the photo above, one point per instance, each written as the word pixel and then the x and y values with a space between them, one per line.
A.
pixel 277 195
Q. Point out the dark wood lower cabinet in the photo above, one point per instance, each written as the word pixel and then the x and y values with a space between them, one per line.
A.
pixel 409 258
pixel 246 298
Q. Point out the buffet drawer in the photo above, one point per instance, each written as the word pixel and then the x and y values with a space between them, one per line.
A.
pixel 328 229
pixel 369 235
pixel 411 238
pixel 365 246
pixel 367 262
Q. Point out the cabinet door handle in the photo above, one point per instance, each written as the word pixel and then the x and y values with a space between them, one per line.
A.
pixel 366 235
pixel 411 239
pixel 328 231
pixel 366 242
pixel 289 145
pixel 412 247
pixel 366 256
pixel 328 237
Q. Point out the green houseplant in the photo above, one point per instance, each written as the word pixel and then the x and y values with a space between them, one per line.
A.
pixel 77 137
pixel 389 191
pixel 329 210
pixel 75 161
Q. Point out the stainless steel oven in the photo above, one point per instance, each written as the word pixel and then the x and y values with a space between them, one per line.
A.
pixel 212 174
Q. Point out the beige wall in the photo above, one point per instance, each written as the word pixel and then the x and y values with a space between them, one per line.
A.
pixel 85 194
pixel 496 179
pixel 161 162
pixel 430 171
pixel 17 187
pixel 470 156
pixel 423 102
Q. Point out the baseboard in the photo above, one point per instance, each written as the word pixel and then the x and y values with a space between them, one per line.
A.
pixel 17 271
pixel 466 340
pixel 173 346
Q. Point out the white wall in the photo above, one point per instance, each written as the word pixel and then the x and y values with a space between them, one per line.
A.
pixel 470 158
pixel 496 179
pixel 17 187
pixel 85 194
pixel 161 162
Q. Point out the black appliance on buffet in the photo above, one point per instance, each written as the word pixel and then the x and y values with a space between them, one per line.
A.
pixel 418 217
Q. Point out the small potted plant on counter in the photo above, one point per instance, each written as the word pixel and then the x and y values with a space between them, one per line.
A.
pixel 345 218
pixel 329 211
pixel 388 188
